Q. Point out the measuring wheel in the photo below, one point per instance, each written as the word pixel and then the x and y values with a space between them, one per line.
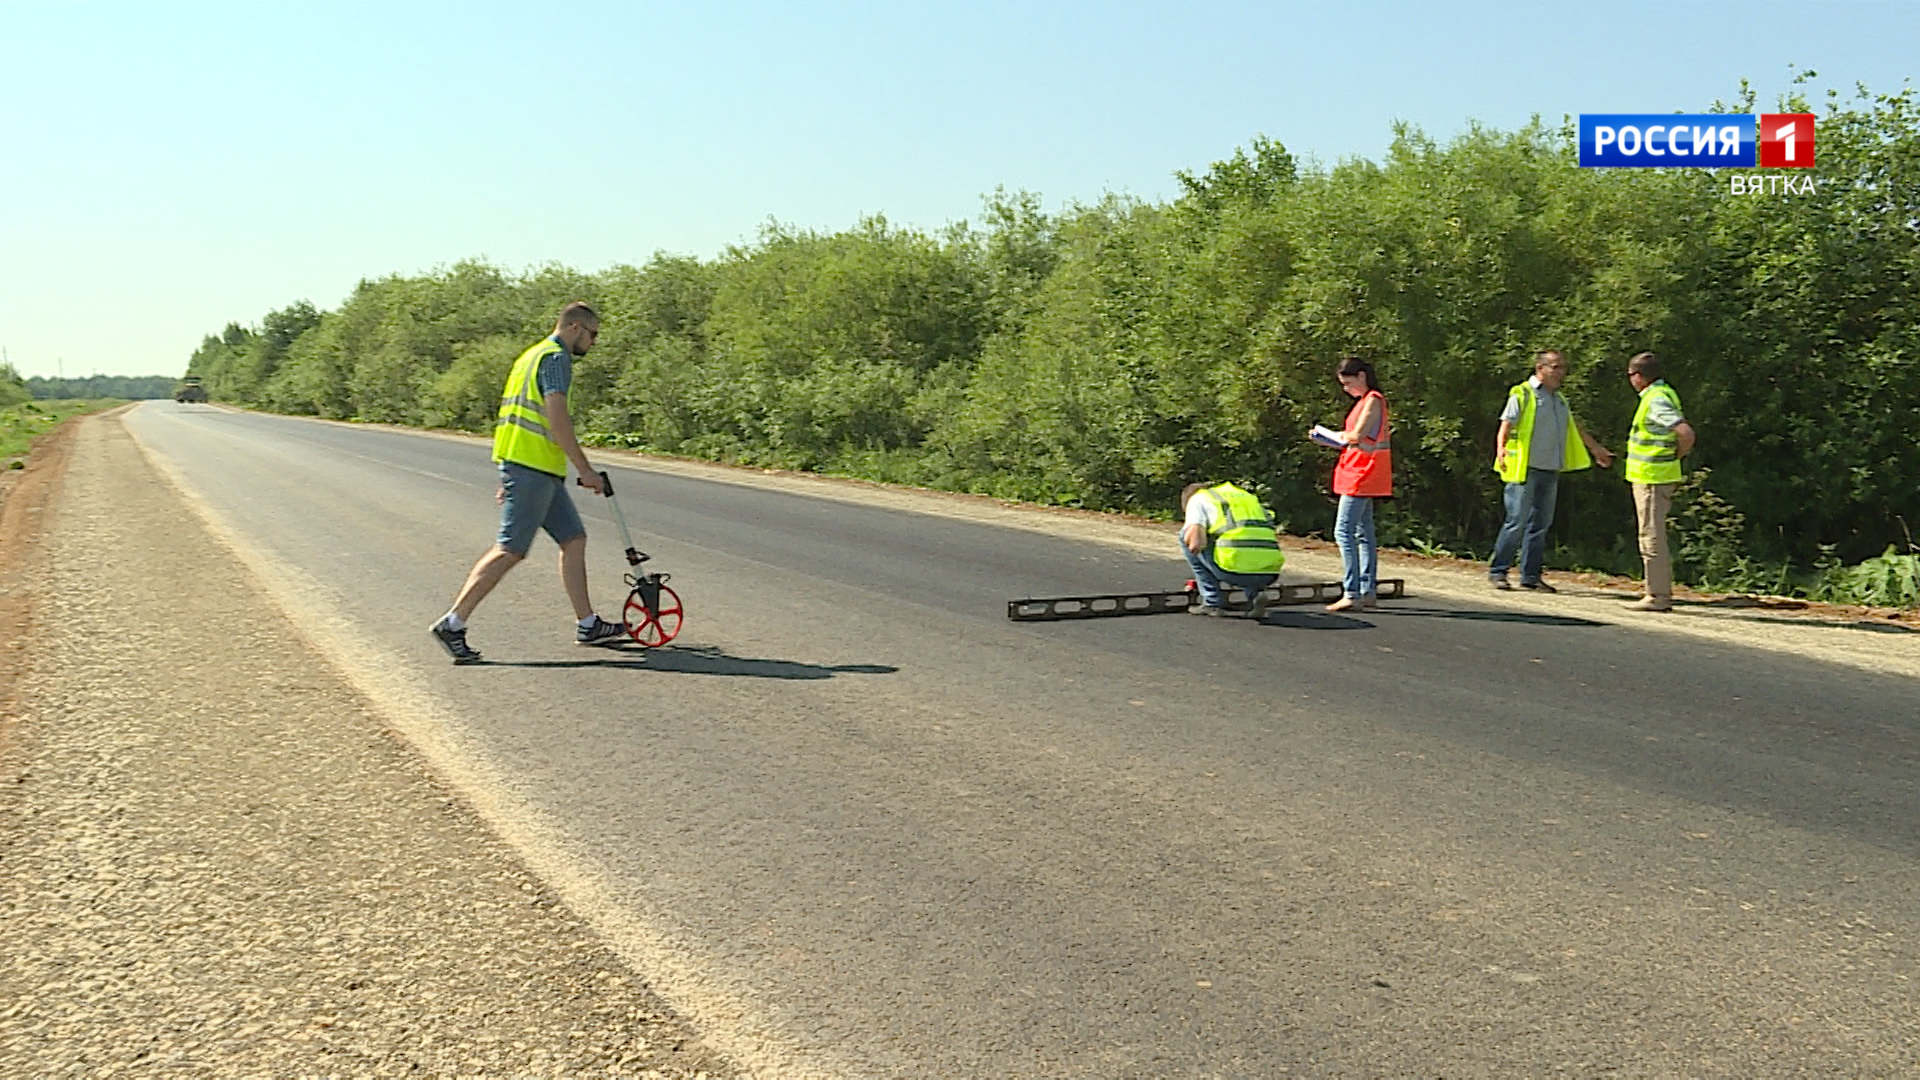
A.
pixel 653 613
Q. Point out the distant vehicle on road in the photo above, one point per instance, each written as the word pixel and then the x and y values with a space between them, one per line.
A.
pixel 190 390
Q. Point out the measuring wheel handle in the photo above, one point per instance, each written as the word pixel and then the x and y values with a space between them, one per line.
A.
pixel 606 482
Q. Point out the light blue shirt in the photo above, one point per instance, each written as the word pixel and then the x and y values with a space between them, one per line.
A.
pixel 1551 418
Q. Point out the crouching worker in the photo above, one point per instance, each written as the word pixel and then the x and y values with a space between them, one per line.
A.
pixel 1229 541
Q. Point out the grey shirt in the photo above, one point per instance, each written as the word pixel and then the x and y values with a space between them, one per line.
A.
pixel 1548 447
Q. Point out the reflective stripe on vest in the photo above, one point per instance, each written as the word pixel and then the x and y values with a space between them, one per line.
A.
pixel 1520 441
pixel 1243 538
pixel 1365 467
pixel 521 435
pixel 1653 458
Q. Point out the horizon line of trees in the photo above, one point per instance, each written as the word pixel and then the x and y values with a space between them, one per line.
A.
pixel 1107 354
pixel 16 388
pixel 124 387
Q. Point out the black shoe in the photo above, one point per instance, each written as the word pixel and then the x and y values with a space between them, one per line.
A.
pixel 601 632
pixel 1538 586
pixel 455 642
pixel 1500 583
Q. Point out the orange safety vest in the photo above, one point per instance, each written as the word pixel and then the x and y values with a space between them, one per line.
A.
pixel 1366 467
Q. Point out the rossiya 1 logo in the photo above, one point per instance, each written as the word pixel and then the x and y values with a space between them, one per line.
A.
pixel 1707 140
pixel 1704 140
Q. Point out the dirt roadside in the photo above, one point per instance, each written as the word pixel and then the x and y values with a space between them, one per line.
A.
pixel 214 857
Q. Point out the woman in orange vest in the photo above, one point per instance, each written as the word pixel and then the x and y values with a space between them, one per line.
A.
pixel 1364 473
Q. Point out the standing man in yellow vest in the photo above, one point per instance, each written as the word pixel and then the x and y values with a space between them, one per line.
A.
pixel 533 441
pixel 1228 540
pixel 1660 437
pixel 1538 441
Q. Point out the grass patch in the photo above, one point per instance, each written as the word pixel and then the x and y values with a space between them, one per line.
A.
pixel 21 424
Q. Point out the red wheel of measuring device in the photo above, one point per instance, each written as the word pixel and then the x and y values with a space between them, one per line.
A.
pixel 657 627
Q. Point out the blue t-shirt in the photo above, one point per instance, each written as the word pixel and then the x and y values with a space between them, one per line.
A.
pixel 556 372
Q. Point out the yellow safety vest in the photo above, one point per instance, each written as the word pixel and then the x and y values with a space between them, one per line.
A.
pixel 522 435
pixel 1651 458
pixel 1520 441
pixel 1243 538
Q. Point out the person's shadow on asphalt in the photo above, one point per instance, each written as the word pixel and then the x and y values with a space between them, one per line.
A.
pixel 702 660
pixel 1487 616
pixel 1313 620
pixel 1318 620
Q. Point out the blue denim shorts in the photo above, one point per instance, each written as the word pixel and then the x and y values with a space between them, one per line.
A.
pixel 535 501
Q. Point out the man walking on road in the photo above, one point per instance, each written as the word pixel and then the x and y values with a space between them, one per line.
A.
pixel 1538 441
pixel 533 441
pixel 1228 540
pixel 1660 437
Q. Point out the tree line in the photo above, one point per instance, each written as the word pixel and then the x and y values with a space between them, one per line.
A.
pixel 1105 355
pixel 15 388
pixel 124 387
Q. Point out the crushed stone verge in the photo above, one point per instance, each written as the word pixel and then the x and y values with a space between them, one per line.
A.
pixel 215 860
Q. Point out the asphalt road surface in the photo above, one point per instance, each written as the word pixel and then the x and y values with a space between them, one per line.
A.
pixel 867 826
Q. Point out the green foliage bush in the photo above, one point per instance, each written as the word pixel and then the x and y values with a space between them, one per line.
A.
pixel 1891 580
pixel 1107 354
pixel 13 389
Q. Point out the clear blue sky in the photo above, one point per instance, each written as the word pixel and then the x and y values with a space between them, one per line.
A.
pixel 166 168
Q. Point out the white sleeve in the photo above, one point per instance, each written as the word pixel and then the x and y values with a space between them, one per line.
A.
pixel 1201 512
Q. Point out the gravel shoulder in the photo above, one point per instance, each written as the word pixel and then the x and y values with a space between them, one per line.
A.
pixel 216 859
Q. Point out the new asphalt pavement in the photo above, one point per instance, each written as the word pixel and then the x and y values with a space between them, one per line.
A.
pixel 858 823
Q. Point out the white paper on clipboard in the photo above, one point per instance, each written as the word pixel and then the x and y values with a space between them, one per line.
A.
pixel 1326 436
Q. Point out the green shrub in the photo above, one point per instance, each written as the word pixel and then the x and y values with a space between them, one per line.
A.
pixel 1891 580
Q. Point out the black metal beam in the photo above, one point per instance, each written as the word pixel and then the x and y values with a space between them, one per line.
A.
pixel 1114 605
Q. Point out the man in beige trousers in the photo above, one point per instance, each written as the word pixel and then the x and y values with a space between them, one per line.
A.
pixel 1660 437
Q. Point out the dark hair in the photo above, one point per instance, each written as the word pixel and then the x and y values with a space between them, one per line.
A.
pixel 1646 365
pixel 1187 494
pixel 1353 365
pixel 577 312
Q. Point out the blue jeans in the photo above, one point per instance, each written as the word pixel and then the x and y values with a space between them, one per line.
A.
pixel 1359 553
pixel 1213 581
pixel 1529 516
